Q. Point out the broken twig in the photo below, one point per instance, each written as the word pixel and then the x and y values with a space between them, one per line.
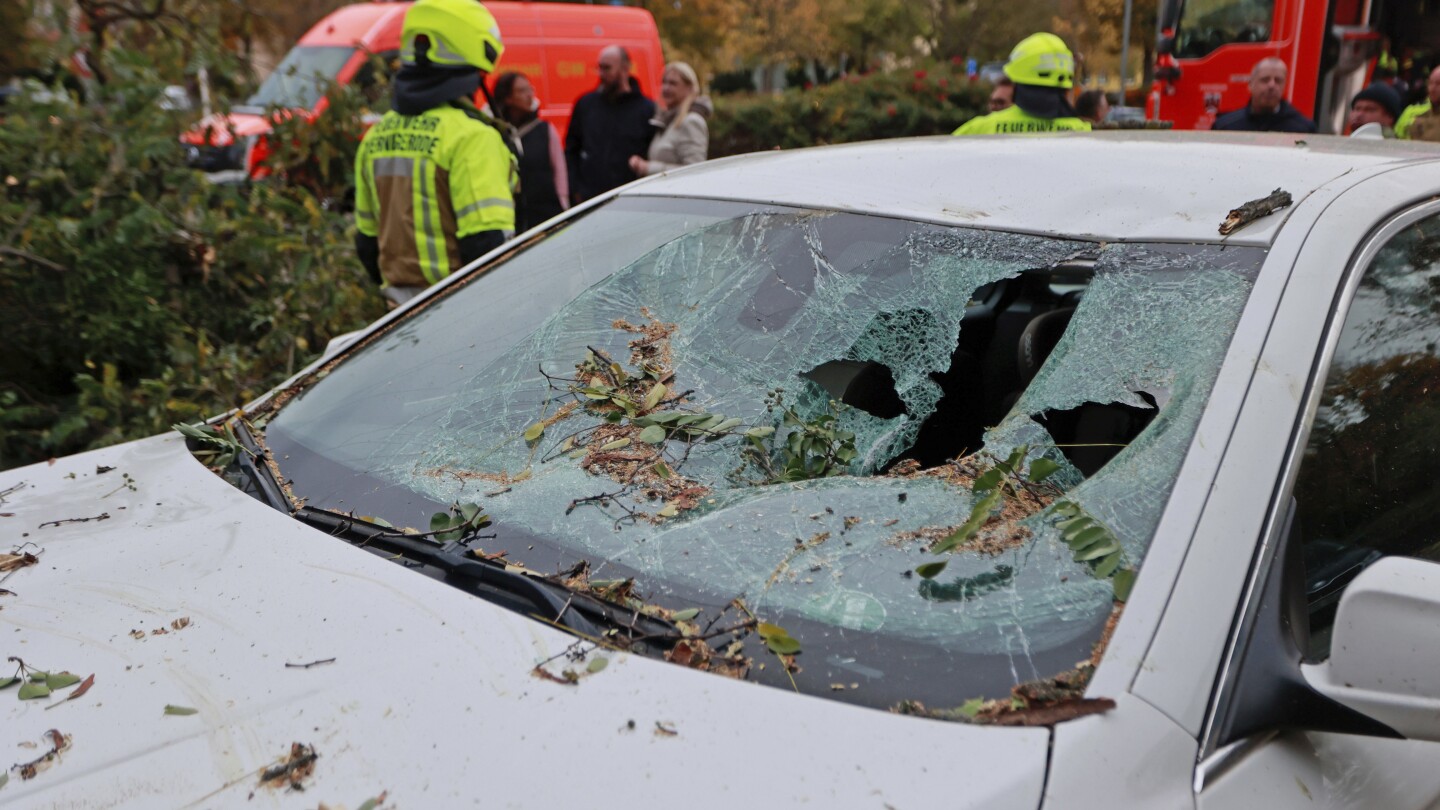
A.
pixel 63 521
pixel 311 664
pixel 1253 210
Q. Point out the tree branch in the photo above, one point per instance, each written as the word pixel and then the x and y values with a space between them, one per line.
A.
pixel 32 258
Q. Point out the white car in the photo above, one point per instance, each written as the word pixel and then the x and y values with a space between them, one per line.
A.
pixel 934 473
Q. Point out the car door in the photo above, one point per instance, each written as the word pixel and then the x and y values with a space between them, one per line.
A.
pixel 1361 481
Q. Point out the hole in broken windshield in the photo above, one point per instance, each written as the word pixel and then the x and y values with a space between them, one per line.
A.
pixel 826 416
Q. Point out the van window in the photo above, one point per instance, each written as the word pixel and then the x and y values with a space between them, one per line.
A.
pixel 299 80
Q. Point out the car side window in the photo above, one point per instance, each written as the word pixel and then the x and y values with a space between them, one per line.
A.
pixel 1369 482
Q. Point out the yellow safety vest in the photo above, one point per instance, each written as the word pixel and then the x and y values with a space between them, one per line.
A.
pixel 423 182
pixel 1013 120
pixel 1402 126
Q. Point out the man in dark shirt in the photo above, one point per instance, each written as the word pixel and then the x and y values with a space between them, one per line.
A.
pixel 607 126
pixel 1268 111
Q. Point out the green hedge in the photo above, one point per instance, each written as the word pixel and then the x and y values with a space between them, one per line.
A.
pixel 900 103
pixel 135 293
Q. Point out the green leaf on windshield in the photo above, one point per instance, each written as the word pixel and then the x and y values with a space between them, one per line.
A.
pixel 777 639
pixel 6 683
pixel 180 711
pixel 685 615
pixel 535 431
pixel 596 664
pixel 1042 468
pixel 988 480
pixel 471 513
pixel 1124 581
pixel 656 394
pixel 931 569
pixel 652 435
pixel 979 514
pixel 972 707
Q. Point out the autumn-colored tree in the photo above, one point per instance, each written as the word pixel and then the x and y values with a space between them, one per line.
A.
pixel 1093 29
pixel 697 31
pixel 783 31
pixel 983 30
pixel 864 30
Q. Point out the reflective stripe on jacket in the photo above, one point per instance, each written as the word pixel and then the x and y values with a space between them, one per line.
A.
pixel 1015 120
pixel 423 182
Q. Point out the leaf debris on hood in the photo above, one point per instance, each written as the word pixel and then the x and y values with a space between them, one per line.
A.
pixel 1041 702
pixel 79 692
pixel 11 562
pixel 58 743
pixel 293 770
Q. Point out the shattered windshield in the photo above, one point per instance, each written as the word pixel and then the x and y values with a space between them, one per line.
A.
pixel 932 455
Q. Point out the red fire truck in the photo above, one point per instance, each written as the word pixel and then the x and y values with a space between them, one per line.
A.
pixel 1207 48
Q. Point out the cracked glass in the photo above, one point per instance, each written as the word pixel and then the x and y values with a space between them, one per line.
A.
pixel 925 342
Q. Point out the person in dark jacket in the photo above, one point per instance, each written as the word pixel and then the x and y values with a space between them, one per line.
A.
pixel 1377 104
pixel 1268 111
pixel 607 126
pixel 544 185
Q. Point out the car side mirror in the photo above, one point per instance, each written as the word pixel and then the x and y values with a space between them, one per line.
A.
pixel 1385 650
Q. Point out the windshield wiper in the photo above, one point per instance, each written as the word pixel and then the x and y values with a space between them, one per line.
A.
pixel 546 599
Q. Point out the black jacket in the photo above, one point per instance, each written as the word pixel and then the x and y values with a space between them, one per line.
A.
pixel 1285 119
pixel 603 134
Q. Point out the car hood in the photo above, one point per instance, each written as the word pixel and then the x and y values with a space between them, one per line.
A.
pixel 174 588
pixel 215 129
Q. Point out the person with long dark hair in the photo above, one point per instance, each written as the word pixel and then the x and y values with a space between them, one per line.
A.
pixel 544 185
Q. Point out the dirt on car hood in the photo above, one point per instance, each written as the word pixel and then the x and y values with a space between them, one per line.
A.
pixel 201 649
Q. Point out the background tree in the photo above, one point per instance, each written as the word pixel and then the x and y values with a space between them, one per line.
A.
pixel 983 29
pixel 135 292
pixel 1093 28
pixel 697 31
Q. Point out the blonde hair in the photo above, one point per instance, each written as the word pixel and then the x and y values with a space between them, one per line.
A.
pixel 686 73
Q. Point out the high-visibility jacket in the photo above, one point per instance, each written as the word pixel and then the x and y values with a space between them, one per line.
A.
pixel 423 182
pixel 1015 120
pixel 1408 116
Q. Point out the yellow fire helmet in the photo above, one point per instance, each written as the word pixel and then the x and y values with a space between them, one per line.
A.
pixel 1043 60
pixel 461 33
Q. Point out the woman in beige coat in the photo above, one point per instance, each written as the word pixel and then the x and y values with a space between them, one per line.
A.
pixel 683 136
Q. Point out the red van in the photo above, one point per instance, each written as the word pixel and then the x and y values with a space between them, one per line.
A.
pixel 555 44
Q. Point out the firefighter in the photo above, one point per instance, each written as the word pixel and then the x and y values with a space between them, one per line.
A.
pixel 1423 114
pixel 1043 70
pixel 434 178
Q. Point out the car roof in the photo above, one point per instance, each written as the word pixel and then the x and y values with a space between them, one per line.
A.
pixel 1151 186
